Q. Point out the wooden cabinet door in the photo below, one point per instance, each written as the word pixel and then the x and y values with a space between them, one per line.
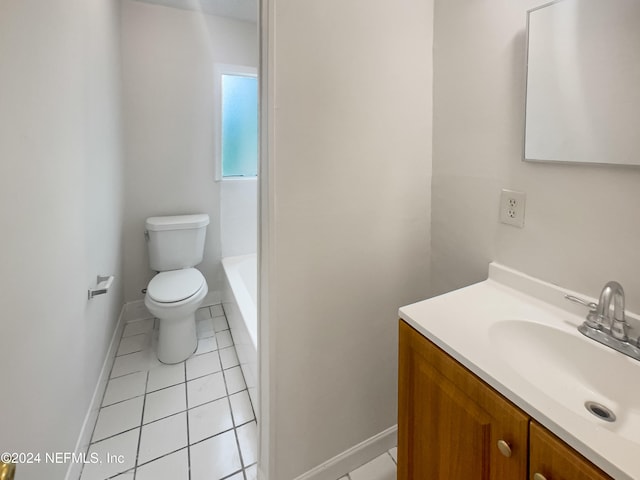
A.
pixel 554 460
pixel 450 422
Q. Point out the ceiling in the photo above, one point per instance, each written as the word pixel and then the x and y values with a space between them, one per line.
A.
pixel 246 10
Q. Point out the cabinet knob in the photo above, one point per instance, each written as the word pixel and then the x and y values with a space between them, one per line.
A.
pixel 539 476
pixel 505 449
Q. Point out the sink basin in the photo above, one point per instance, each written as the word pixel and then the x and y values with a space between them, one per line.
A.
pixel 520 335
pixel 572 369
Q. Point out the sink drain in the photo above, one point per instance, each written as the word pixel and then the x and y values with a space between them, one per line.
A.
pixel 600 411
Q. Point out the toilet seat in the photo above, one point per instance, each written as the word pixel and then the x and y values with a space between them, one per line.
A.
pixel 175 285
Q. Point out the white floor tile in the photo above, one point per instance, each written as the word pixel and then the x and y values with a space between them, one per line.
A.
pixel 252 472
pixel 124 388
pixel 162 437
pixel 220 324
pixel 224 339
pixel 380 468
pixel 136 327
pixel 202 365
pixel 234 379
pixel 165 376
pixel 134 362
pixel 117 418
pixel 209 419
pixel 394 454
pixel 237 476
pixel 134 343
pixel 216 310
pixel 228 357
pixel 203 313
pixel 163 403
pixel 124 444
pixel 206 345
pixel 215 458
pixel 248 440
pixel 204 328
pixel 241 408
pixel 205 389
pixel 171 467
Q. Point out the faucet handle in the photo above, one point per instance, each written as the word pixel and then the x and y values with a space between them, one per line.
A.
pixel 590 305
pixel 593 320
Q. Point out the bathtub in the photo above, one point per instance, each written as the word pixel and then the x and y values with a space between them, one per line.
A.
pixel 240 299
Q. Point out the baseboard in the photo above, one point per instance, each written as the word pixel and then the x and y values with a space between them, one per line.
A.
pixel 75 468
pixel 354 457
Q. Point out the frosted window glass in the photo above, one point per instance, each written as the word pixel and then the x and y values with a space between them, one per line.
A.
pixel 239 126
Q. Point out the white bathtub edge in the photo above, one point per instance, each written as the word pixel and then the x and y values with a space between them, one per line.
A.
pixel 240 309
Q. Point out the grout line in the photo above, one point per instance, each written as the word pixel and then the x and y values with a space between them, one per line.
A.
pixel 244 380
pixel 178 413
pixel 144 404
pixel 197 406
pixel 233 422
pixel 212 436
pixel 231 475
pixel 136 321
pixel 122 401
pixel 186 404
pixel 206 375
pixel 164 455
pixel 129 373
pixel 114 435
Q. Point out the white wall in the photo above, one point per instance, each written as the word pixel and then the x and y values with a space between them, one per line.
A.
pixel 168 59
pixel 581 222
pixel 60 204
pixel 346 240
pixel 239 217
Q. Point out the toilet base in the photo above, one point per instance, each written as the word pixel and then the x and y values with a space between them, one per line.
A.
pixel 177 339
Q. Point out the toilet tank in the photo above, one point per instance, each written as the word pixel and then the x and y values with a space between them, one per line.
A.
pixel 176 241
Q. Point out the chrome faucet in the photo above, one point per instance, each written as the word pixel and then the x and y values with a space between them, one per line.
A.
pixel 607 327
pixel 613 291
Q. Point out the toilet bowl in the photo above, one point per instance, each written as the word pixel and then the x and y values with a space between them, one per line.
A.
pixel 173 297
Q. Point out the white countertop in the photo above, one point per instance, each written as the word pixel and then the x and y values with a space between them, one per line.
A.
pixel 460 323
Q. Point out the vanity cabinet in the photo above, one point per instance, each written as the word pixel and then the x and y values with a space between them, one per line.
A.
pixel 453 426
pixel 551 459
pixel 450 423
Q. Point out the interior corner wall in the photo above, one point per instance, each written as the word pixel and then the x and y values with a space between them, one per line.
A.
pixel 61 207
pixel 348 218
pixel 581 226
pixel 168 66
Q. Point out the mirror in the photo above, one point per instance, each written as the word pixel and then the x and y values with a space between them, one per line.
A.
pixel 583 82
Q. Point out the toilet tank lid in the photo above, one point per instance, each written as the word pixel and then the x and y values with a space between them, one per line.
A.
pixel 177 222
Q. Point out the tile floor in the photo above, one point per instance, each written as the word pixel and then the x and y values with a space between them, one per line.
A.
pixel 189 421
pixel 380 468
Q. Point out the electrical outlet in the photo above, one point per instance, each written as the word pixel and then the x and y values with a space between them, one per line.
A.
pixel 512 205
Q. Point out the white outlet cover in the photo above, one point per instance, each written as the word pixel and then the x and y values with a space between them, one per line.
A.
pixel 512 207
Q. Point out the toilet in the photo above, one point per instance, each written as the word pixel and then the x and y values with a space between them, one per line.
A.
pixel 176 245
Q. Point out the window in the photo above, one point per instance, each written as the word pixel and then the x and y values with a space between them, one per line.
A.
pixel 238 122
